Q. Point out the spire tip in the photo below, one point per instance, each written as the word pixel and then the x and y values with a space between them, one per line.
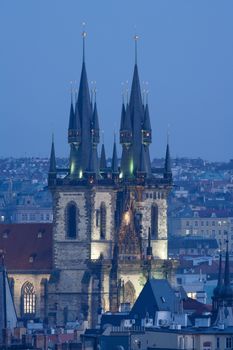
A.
pixel 136 38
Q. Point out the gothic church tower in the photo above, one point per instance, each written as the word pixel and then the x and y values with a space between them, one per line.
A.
pixel 110 223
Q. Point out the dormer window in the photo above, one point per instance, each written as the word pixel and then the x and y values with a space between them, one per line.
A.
pixel 5 234
pixel 32 258
pixel 40 233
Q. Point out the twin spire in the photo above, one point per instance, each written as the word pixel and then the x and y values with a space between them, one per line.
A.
pixel 223 289
pixel 135 134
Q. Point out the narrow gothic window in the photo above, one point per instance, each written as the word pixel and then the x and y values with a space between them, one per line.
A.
pixel 28 299
pixel 97 212
pixel 102 220
pixel 71 220
pixel 154 221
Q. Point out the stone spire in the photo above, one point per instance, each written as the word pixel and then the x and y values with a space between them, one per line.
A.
pixel 217 292
pixel 52 162
pixel 146 127
pixel 136 114
pixel 85 112
pixel 126 139
pixel 218 288
pixel 93 166
pixel 103 162
pixel 114 158
pixel 95 126
pixel 227 291
pixel 122 116
pixel 167 165
pixel 52 175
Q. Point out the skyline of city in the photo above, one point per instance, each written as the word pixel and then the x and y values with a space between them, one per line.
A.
pixel 189 73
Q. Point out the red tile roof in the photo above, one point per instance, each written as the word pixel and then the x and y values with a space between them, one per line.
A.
pixel 195 306
pixel 26 246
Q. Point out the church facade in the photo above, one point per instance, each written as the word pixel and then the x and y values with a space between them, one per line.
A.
pixel 110 222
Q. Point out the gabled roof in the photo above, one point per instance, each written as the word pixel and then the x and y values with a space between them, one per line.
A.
pixel 27 246
pixel 156 295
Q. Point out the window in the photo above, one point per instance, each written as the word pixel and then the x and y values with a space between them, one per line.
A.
pixel 97 217
pixel 207 223
pixel 102 220
pixel 154 221
pixel 213 223
pixel 28 299
pixel 228 342
pixel 71 220
pixel 32 217
pixel 218 343
pixel 24 217
pixel 187 223
pixel 196 223
pixel 179 280
pixel 202 223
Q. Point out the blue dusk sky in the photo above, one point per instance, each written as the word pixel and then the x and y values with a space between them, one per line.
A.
pixel 185 52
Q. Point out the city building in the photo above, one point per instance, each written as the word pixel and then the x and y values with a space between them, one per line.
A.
pixel 27 251
pixel 164 318
pixel 203 223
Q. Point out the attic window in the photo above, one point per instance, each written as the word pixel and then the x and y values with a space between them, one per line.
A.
pixel 40 233
pixel 32 258
pixel 163 299
pixel 5 234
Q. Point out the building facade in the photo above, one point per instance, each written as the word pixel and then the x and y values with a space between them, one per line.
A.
pixel 207 224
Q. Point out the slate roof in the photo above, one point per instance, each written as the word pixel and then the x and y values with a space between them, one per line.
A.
pixel 26 246
pixel 157 295
pixel 193 242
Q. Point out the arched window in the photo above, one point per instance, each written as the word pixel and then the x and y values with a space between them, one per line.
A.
pixel 71 220
pixel 102 220
pixel 154 221
pixel 28 299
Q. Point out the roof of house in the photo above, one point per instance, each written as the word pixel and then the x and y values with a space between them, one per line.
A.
pixel 26 246
pixel 156 295
pixel 195 306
